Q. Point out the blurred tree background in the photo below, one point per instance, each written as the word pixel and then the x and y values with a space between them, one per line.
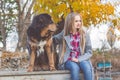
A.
pixel 17 14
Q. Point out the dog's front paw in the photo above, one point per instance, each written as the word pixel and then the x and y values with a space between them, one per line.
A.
pixel 52 68
pixel 30 69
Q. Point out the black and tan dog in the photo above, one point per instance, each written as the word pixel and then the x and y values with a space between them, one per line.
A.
pixel 40 44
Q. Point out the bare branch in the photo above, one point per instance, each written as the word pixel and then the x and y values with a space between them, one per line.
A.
pixel 24 6
pixel 29 10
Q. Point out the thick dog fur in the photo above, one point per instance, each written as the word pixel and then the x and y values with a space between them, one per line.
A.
pixel 40 43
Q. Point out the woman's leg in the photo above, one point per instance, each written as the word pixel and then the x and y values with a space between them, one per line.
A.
pixel 87 70
pixel 74 69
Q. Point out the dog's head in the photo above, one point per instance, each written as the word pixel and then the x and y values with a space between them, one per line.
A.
pixel 42 26
pixel 45 24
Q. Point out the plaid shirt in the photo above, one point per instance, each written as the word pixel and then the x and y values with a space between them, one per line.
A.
pixel 74 41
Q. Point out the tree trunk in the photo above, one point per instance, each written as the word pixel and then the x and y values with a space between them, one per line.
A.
pixel 23 23
pixel 2 25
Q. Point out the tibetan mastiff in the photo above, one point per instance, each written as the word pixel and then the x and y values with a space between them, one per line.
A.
pixel 39 42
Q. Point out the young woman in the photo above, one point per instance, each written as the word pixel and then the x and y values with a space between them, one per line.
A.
pixel 76 48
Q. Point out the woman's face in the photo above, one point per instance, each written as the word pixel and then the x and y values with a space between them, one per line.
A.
pixel 77 22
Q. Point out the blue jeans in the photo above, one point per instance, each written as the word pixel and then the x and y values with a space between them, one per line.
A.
pixel 75 68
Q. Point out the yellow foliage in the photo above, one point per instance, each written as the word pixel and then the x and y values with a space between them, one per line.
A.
pixel 61 7
pixel 76 6
pixel 114 22
pixel 91 10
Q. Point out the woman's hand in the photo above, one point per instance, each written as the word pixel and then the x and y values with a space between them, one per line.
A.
pixel 75 59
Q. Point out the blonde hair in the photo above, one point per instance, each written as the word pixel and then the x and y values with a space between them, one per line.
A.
pixel 68 28
pixel 69 25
